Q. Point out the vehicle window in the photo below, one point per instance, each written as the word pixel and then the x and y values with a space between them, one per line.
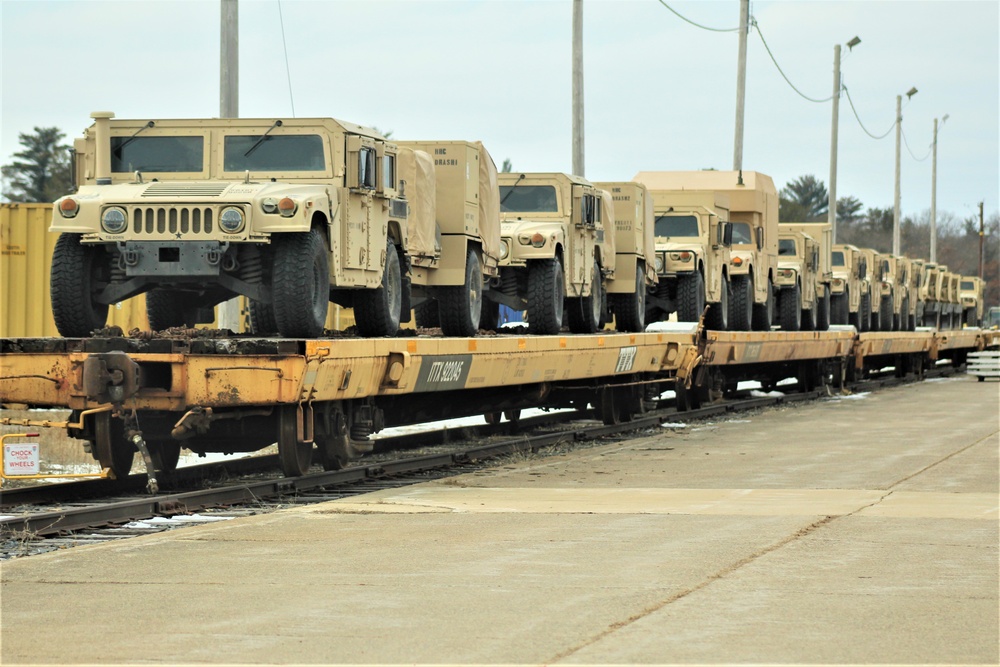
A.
pixel 157 154
pixel 389 172
pixel 277 152
pixel 786 247
pixel 676 225
pixel 529 199
pixel 968 284
pixel 742 233
pixel 837 258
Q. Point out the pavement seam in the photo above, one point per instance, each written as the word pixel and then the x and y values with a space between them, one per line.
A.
pixel 942 460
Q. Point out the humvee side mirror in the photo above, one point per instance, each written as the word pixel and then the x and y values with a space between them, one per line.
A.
pixel 862 270
pixel 727 233
pixel 760 238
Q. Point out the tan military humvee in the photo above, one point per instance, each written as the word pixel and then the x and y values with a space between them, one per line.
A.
pixel 873 260
pixel 892 293
pixel 850 301
pixel 928 295
pixel 556 250
pixel 822 232
pixel 916 271
pixel 953 306
pixel 798 283
pixel 635 254
pixel 971 293
pixel 291 213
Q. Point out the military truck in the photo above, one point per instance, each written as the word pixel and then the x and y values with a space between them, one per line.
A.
pixel 803 300
pixel 292 213
pixel 556 250
pixel 753 214
pixel 953 300
pixel 455 183
pixel 892 293
pixel 850 291
pixel 928 295
pixel 971 294
pixel 915 270
pixel 635 255
pixel 822 233
pixel 692 236
pixel 873 259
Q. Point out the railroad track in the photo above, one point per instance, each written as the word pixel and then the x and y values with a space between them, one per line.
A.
pixel 30 527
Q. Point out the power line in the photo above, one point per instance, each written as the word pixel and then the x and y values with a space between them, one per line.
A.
pixel 288 72
pixel 697 25
pixel 851 102
pixel 918 159
pixel 754 23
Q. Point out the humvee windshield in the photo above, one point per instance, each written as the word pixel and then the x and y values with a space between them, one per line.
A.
pixel 277 152
pixel 529 199
pixel 837 257
pixel 786 247
pixel 742 233
pixel 157 154
pixel 676 225
pixel 968 284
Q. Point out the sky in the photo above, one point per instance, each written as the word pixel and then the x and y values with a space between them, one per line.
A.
pixel 660 93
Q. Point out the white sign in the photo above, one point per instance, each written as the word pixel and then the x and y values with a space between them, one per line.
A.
pixel 20 458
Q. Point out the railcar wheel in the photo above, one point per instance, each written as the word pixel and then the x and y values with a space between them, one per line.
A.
pixel 165 454
pixel 262 318
pixel 546 296
pixel 111 449
pixel 493 418
pixel 78 274
pixel 789 302
pixel 763 313
pixel 300 284
pixel 630 309
pixel 460 308
pixel 741 304
pixel 295 456
pixel 585 312
pixel 690 297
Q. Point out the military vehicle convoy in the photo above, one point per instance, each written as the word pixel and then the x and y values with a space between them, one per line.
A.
pixel 850 290
pixel 291 213
pixel 971 294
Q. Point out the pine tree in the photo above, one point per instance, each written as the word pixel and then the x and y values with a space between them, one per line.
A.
pixel 42 172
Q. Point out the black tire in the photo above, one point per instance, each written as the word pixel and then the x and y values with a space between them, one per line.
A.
pixel 717 318
pixel 630 309
pixel 584 312
pixel 763 313
pixel 300 284
pixel 78 273
pixel 377 311
pixel 165 310
pixel 426 314
pixel 840 309
pixel 823 311
pixel 741 304
pixel 460 308
pixel 546 296
pixel 865 313
pixel 904 315
pixel 885 314
pixel 690 297
pixel 262 320
pixel 789 310
pixel 489 318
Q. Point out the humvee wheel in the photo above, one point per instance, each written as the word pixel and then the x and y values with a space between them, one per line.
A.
pixel 790 316
pixel 763 313
pixel 426 314
pixel 111 449
pixel 717 318
pixel 865 313
pixel 377 311
pixel 165 310
pixel 690 297
pixel 630 309
pixel 546 296
pixel 300 284
pixel 77 275
pixel 489 319
pixel 460 308
pixel 295 456
pixel 840 309
pixel 262 317
pixel 808 321
pixel 585 312
pixel 741 304
pixel 885 314
pixel 823 311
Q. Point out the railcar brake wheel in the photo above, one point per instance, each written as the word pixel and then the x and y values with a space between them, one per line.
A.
pixel 111 449
pixel 295 456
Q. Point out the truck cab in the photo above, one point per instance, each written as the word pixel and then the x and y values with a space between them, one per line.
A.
pixel 873 259
pixel 798 282
pixel 971 294
pixel 849 287
pixel 822 233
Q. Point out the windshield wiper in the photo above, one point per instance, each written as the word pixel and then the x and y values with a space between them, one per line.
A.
pixel 263 137
pixel 516 183
pixel 125 143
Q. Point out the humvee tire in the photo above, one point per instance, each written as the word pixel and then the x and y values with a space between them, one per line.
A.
pixel 585 312
pixel 165 310
pixel 741 304
pixel 823 311
pixel 763 313
pixel 630 309
pixel 546 296
pixel 426 314
pixel 840 309
pixel 790 314
pixel 865 313
pixel 885 314
pixel 262 318
pixel 76 272
pixel 717 318
pixel 377 311
pixel 808 320
pixel 904 315
pixel 300 284
pixel 690 297
pixel 489 319
pixel 460 308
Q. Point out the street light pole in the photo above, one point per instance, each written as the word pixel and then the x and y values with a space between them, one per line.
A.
pixel 229 97
pixel 578 159
pixel 741 84
pixel 895 205
pixel 934 191
pixel 832 208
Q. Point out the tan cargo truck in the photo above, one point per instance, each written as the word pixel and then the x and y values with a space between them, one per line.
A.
pixel 850 300
pixel 556 250
pixel 692 235
pixel 873 259
pixel 292 213
pixel 753 214
pixel 822 232
pixel 800 304
pixel 971 294
pixel 635 254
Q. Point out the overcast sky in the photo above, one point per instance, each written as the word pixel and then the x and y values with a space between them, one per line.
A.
pixel 660 93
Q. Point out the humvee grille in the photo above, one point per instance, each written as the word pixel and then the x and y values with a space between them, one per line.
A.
pixel 172 220
pixel 185 189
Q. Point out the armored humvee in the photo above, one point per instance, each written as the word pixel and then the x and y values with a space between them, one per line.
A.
pixel 873 260
pixel 915 271
pixel 635 254
pixel 556 250
pixel 971 293
pixel 850 300
pixel 893 297
pixel 800 306
pixel 822 233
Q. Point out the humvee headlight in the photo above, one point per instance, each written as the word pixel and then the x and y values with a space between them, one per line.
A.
pixel 659 263
pixel 114 220
pixel 269 205
pixel 287 207
pixel 504 248
pixel 68 207
pixel 231 220
pixel 537 240
pixel 684 256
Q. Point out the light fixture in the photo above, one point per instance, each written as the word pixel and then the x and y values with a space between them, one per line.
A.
pixel 854 42
pixel 911 92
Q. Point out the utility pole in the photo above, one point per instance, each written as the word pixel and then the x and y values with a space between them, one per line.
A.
pixel 981 235
pixel 741 84
pixel 895 207
pixel 832 207
pixel 229 96
pixel 578 159
pixel 934 196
